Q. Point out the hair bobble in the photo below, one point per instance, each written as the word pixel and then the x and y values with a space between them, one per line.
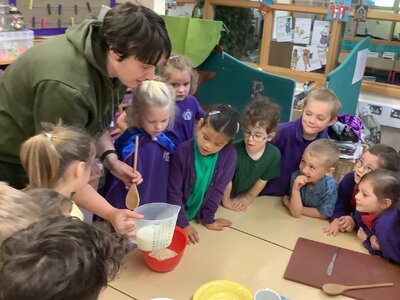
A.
pixel 48 135
pixel 214 112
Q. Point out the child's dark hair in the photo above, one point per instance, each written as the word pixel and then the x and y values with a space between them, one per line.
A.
pixel 388 157
pixel 52 203
pixel 59 258
pixel 135 31
pixel 181 63
pixel 262 112
pixel 385 184
pixel 223 118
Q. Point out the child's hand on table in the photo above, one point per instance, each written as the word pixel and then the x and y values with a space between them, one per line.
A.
pixel 333 228
pixel 346 223
pixel 193 235
pixel 362 236
pixel 219 224
pixel 374 243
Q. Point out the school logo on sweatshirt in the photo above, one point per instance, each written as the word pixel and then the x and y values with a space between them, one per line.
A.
pixel 166 156
pixel 187 115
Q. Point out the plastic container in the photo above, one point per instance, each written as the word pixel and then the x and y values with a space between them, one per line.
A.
pixel 155 231
pixel 14 43
pixel 178 245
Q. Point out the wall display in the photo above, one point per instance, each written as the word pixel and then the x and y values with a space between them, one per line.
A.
pixel 338 10
pixel 320 36
pixel 284 29
pixel 302 30
pixel 360 13
pixel 305 58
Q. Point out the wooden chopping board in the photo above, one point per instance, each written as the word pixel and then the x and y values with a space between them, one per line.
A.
pixel 310 260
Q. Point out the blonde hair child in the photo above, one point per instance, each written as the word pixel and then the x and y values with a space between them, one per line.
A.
pixel 179 73
pixel 17 211
pixel 201 168
pixel 377 213
pixel 319 111
pixel 150 113
pixel 59 158
pixel 379 156
pixel 313 187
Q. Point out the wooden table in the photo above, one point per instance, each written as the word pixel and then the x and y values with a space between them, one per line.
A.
pixel 112 294
pixel 254 252
pixel 268 219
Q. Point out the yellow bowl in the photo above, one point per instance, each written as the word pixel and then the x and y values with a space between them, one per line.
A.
pixel 222 290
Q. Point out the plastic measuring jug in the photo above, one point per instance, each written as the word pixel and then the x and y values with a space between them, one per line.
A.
pixel 155 230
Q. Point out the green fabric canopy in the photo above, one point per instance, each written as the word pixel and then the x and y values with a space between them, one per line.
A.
pixel 195 38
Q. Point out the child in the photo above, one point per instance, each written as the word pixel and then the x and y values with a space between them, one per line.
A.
pixel 59 159
pixel 59 258
pixel 376 157
pixel 150 113
pixel 201 168
pixel 178 73
pixel 377 214
pixel 257 160
pixel 313 187
pixel 319 111
pixel 17 211
pixel 51 202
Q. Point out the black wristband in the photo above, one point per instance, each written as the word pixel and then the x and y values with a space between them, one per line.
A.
pixel 105 153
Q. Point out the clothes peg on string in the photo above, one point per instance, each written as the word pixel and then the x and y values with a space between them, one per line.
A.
pixel 33 22
pixel 72 21
pixel 88 7
pixel 59 23
pixel 30 4
pixel 59 9
pixel 76 9
pixel 43 22
pixel 48 9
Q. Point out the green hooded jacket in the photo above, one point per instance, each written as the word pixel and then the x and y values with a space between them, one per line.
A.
pixel 63 78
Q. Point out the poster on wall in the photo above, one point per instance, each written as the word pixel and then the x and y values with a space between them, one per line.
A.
pixel 305 58
pixel 320 35
pixel 284 29
pixel 302 31
pixel 338 10
pixel 360 13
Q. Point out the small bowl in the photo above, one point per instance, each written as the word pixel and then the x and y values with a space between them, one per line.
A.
pixel 178 245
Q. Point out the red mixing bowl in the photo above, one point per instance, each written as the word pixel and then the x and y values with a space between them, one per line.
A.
pixel 178 245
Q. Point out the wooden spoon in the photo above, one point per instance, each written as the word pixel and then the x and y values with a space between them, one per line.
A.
pixel 132 199
pixel 334 289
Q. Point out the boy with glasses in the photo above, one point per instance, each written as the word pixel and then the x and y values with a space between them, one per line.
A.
pixel 257 160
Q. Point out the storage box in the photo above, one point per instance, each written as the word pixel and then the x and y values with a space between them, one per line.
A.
pixel 14 43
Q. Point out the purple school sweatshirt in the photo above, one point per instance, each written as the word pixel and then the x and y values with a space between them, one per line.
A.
pixel 182 176
pixel 291 143
pixel 345 192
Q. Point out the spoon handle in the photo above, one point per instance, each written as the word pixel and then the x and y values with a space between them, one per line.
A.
pixel 136 153
pixel 366 286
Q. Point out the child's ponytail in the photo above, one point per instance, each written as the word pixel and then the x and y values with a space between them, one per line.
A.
pixel 47 156
pixel 224 119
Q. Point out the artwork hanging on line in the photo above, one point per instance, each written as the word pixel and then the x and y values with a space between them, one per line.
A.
pixel 305 58
pixel 302 30
pixel 320 35
pixel 338 10
pixel 284 29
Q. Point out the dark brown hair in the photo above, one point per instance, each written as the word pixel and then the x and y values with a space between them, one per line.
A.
pixel 388 157
pixel 263 112
pixel 59 258
pixel 135 31
pixel 385 184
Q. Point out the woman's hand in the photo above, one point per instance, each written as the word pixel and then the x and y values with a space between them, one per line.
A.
pixel 122 171
pixel 219 224
pixel 123 221
pixel 193 235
